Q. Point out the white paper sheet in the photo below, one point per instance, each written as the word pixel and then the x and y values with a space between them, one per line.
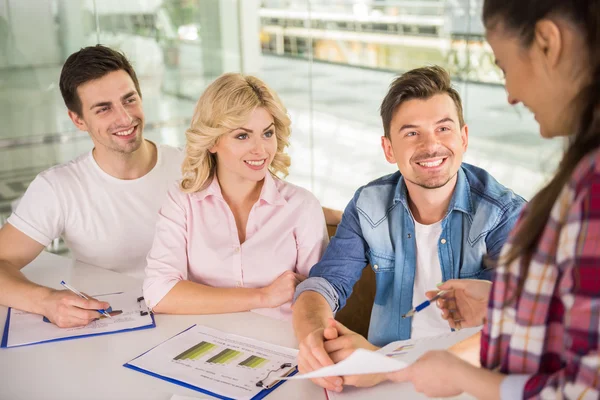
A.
pixel 392 357
pixel 221 363
pixel 26 328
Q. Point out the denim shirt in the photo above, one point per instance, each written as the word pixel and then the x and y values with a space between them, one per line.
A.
pixel 378 228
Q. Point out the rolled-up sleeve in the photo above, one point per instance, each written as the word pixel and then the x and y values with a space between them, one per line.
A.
pixel 321 286
pixel 167 261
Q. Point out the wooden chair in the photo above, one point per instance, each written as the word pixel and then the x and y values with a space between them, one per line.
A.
pixel 356 314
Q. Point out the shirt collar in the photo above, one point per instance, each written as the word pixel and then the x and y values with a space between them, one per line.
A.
pixel 269 193
pixel 461 198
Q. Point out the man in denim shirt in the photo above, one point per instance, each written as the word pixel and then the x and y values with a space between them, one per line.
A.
pixel 435 219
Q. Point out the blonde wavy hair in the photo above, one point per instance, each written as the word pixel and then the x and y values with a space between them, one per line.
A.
pixel 225 105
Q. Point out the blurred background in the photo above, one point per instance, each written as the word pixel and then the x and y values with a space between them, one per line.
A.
pixel 330 61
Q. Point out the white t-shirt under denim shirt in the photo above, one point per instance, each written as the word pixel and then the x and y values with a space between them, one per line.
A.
pixel 428 273
pixel 105 221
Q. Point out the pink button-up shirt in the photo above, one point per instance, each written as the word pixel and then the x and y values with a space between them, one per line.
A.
pixel 196 239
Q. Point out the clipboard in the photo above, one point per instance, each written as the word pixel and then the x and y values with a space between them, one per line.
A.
pixel 273 380
pixel 26 329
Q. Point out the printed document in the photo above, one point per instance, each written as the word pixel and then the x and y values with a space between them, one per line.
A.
pixel 216 362
pixel 392 357
pixel 127 313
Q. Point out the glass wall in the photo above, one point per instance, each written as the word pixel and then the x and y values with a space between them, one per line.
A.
pixel 330 61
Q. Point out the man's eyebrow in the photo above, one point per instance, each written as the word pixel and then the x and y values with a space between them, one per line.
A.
pixel 446 119
pixel 101 104
pixel 108 103
pixel 407 126
pixel 128 95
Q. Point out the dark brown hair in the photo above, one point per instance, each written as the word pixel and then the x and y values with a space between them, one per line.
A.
pixel 87 64
pixel 420 83
pixel 520 18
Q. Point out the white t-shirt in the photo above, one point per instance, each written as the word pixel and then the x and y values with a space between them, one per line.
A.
pixel 105 221
pixel 428 273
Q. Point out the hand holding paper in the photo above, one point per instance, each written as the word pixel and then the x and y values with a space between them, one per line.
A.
pixel 312 355
pixel 393 357
pixel 343 345
pixel 360 362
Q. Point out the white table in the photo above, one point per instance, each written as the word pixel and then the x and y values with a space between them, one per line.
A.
pixel 92 368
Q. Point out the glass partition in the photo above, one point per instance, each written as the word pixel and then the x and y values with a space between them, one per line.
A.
pixel 330 61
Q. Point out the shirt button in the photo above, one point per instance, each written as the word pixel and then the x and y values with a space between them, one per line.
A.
pixel 237 250
pixel 238 284
pixel 443 241
pixel 375 267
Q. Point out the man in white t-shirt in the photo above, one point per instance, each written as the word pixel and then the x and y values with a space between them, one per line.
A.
pixel 104 204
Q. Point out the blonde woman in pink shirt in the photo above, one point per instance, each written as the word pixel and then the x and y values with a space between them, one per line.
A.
pixel 232 236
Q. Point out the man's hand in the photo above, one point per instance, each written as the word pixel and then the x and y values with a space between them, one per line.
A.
pixel 282 289
pixel 465 304
pixel 65 309
pixel 344 344
pixel 312 356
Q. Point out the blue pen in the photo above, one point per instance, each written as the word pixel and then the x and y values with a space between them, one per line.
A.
pixel 424 304
pixel 83 296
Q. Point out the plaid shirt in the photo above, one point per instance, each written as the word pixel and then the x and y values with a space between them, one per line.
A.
pixel 551 333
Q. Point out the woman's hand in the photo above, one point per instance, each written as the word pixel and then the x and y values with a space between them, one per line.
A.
pixel 465 304
pixel 433 374
pixel 281 290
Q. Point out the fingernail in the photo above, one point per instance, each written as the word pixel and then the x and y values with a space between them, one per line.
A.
pixel 439 284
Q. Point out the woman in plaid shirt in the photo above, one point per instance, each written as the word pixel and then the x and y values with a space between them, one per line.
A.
pixel 542 320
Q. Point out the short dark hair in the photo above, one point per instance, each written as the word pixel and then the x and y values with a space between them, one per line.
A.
pixel 419 83
pixel 87 64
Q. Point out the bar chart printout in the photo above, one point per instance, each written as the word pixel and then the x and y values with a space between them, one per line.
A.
pixel 196 352
pixel 253 362
pixel 217 362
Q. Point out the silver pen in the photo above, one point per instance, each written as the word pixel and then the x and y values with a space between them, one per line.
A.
pixel 83 296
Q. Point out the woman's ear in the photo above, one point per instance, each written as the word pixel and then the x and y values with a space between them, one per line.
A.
pixel 213 149
pixel 549 40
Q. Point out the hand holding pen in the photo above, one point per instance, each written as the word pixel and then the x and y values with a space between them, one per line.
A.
pixel 83 296
pixel 66 309
pixel 465 302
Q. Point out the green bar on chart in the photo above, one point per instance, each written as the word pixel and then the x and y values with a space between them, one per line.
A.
pixel 215 359
pixel 258 362
pixel 202 350
pixel 232 354
pixel 247 361
pixel 224 357
pixel 194 349
pixel 253 362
